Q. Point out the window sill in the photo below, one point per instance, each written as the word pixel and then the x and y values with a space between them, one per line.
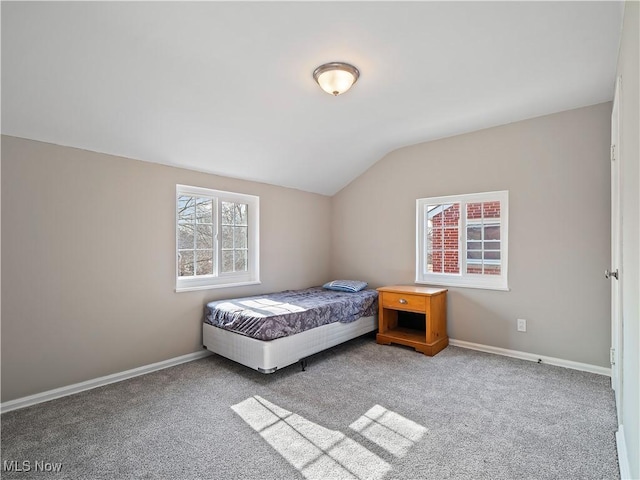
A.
pixel 220 285
pixel 444 283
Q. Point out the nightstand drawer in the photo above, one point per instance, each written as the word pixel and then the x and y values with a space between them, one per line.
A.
pixel 404 301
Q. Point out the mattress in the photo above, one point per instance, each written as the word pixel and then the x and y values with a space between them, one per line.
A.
pixel 282 314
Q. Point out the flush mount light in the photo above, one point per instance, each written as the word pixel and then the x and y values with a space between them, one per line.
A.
pixel 336 77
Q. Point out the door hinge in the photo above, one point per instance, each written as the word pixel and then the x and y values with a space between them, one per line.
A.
pixel 612 355
pixel 613 153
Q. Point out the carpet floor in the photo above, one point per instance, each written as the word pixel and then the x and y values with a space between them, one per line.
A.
pixel 361 410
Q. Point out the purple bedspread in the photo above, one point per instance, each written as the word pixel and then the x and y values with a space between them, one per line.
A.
pixel 275 315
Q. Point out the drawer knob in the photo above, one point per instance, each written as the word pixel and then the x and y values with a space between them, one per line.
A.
pixel 403 301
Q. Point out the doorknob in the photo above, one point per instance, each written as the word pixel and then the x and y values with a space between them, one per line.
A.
pixel 608 274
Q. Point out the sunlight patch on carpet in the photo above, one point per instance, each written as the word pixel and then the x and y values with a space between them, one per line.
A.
pixel 317 452
pixel 389 430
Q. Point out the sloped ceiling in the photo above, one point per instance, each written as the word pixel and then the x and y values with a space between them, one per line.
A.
pixel 226 87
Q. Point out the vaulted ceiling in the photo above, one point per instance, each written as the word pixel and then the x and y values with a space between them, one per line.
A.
pixel 227 87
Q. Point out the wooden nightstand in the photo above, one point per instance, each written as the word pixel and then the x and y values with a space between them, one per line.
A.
pixel 424 329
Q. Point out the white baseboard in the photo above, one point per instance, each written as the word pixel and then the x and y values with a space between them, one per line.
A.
pixel 117 377
pixel 623 459
pixel 98 382
pixel 585 367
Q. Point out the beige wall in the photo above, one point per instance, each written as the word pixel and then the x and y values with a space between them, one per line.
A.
pixel 628 68
pixel 88 262
pixel 556 169
pixel 88 244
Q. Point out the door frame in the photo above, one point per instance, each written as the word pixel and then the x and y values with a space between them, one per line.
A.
pixel 616 255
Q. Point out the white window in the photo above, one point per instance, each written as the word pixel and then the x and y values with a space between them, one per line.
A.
pixel 462 240
pixel 217 239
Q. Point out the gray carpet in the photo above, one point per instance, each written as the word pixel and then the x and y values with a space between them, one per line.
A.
pixel 361 410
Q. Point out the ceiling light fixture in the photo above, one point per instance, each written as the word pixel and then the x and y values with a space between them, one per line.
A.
pixel 336 77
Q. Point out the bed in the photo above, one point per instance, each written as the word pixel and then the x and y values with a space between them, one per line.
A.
pixel 269 332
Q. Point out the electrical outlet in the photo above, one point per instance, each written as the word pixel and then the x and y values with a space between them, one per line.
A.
pixel 522 325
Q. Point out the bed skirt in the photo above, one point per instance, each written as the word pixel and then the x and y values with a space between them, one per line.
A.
pixel 269 356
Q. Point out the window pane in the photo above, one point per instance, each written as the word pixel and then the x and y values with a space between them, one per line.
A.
pixel 240 237
pixel 429 240
pixel 474 210
pixel 474 245
pixel 227 213
pixel 186 208
pixel 437 237
pixel 227 261
pixel 474 255
pixel 492 232
pixel 474 232
pixel 451 264
pixel 185 236
pixel 492 245
pixel 492 255
pixel 227 237
pixel 240 213
pixel 442 242
pixel 492 269
pixel 451 214
pixel 204 210
pixel 474 269
pixel 240 260
pixel 204 237
pixel 451 238
pixel 434 216
pixel 185 263
pixel 491 209
pixel 204 262
pixel 437 261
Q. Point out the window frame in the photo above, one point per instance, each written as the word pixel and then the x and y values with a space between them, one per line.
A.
pixel 218 279
pixel 463 279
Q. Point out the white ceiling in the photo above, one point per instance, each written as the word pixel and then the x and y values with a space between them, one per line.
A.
pixel 227 87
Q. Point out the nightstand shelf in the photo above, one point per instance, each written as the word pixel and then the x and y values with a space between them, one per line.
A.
pixel 428 305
